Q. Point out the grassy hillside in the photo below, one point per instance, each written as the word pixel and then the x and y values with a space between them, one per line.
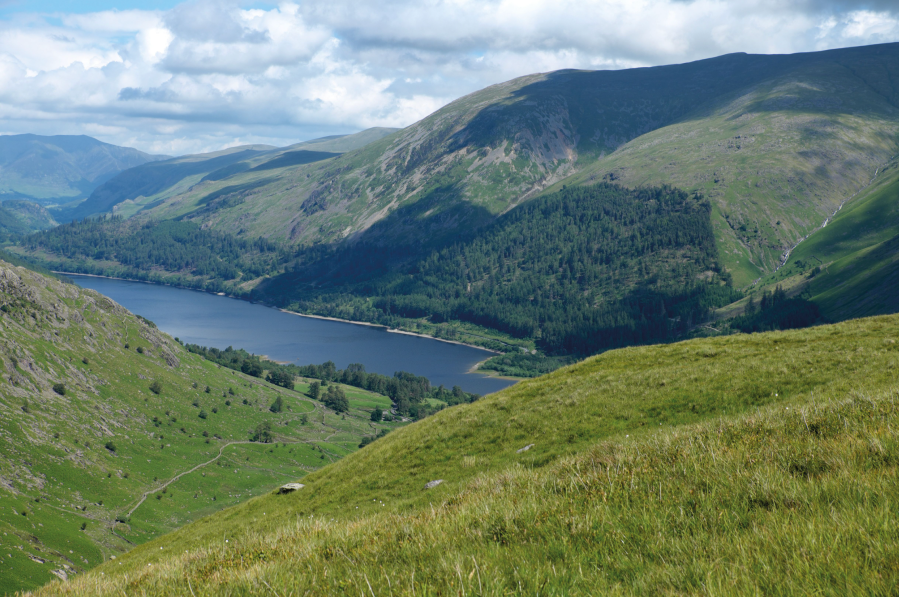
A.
pixel 848 267
pixel 113 434
pixel 244 167
pixel 748 464
pixel 61 168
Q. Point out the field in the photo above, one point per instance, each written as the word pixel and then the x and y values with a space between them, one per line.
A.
pixel 747 464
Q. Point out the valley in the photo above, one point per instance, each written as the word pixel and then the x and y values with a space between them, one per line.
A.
pixel 668 301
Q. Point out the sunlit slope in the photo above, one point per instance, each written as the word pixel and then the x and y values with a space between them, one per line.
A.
pixel 229 173
pixel 713 465
pixel 849 267
pixel 770 138
pixel 95 457
pixel 777 157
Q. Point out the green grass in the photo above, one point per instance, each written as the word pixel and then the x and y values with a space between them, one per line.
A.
pixel 53 459
pixel 748 464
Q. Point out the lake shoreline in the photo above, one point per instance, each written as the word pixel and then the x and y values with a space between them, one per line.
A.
pixel 474 369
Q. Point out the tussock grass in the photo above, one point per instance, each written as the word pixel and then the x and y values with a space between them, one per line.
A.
pixel 782 501
pixel 773 472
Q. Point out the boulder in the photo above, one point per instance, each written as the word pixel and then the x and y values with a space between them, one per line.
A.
pixel 290 487
pixel 431 484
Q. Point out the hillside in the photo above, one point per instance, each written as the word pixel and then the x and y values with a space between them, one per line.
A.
pixel 245 167
pixel 19 217
pixel 62 168
pixel 749 464
pixel 767 138
pixel 848 267
pixel 113 434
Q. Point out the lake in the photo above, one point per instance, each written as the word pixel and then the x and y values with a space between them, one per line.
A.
pixel 219 321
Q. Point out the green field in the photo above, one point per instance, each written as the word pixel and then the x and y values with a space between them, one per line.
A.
pixel 112 454
pixel 747 464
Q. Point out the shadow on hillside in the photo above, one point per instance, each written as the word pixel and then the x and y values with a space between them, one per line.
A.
pixel 406 235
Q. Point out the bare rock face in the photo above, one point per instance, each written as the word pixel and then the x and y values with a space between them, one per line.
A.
pixel 432 484
pixel 290 488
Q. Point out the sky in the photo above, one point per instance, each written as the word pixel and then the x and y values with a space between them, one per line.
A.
pixel 171 77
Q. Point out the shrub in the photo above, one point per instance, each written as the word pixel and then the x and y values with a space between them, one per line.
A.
pixel 156 387
pixel 110 446
pixel 85 361
pixel 215 409
pixel 377 415
pixel 203 414
pixel 60 388
pixel 83 526
pixel 140 349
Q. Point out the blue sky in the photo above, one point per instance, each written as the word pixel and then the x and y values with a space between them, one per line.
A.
pixel 179 77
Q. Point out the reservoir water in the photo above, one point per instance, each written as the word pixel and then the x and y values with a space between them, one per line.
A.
pixel 218 321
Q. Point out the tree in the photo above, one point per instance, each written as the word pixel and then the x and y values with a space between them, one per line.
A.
pixel 110 446
pixel 377 415
pixel 60 388
pixel 156 387
pixel 263 433
pixel 252 367
pixel 203 414
pixel 277 406
pixel 315 390
pixel 336 400
pixel 282 378
pixel 304 419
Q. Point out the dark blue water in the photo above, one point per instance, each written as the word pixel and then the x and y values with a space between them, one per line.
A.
pixel 218 321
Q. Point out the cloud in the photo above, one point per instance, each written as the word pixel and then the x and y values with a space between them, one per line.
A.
pixel 209 74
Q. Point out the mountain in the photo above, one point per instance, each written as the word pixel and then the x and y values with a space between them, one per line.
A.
pixel 145 187
pixel 776 142
pixel 714 463
pixel 61 168
pixel 112 433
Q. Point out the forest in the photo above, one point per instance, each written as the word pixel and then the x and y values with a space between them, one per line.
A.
pixel 582 270
pixel 170 246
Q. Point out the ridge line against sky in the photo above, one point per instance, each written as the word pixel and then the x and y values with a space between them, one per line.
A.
pixel 182 77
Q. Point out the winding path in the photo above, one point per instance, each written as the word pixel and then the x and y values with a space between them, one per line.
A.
pixel 146 494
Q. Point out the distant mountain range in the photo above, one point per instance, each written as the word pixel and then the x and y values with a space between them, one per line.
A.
pixel 61 168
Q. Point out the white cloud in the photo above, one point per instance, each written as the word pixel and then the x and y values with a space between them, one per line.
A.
pixel 209 74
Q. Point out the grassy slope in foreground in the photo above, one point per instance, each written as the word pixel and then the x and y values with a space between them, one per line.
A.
pixel 792 492
pixel 56 471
